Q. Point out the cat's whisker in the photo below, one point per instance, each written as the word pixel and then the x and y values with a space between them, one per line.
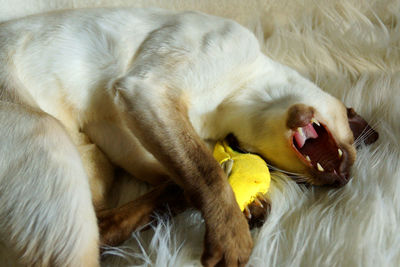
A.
pixel 366 133
pixel 283 171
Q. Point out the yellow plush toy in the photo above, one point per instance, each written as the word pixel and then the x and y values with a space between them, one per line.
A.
pixel 249 174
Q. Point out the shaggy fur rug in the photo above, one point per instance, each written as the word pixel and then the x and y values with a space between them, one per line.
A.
pixel 351 49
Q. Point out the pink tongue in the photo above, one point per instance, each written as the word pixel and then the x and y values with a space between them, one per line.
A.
pixel 308 132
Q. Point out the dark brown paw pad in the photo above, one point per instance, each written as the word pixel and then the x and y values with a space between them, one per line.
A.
pixel 257 211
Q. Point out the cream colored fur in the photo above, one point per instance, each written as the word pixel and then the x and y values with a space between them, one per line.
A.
pixel 61 194
pixel 350 50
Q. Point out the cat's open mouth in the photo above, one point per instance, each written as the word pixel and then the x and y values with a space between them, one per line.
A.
pixel 316 147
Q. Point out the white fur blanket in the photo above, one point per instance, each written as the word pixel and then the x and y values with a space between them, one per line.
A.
pixel 350 49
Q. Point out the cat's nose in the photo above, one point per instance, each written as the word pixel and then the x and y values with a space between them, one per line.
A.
pixel 299 115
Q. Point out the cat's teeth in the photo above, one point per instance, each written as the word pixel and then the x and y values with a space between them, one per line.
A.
pixel 340 152
pixel 314 120
pixel 308 158
pixel 300 130
pixel 319 167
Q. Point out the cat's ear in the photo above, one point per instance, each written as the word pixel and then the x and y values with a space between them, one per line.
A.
pixel 360 127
